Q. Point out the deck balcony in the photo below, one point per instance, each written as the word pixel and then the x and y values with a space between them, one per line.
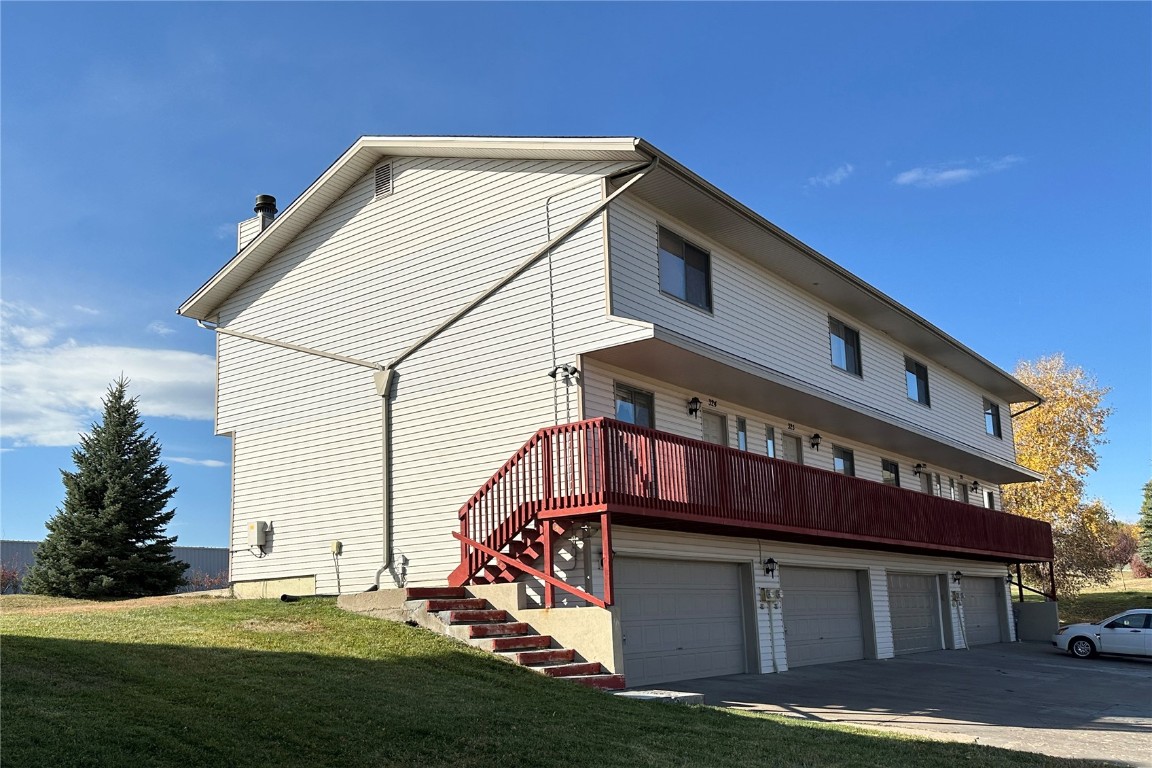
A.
pixel 643 477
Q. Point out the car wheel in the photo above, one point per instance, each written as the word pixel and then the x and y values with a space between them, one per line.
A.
pixel 1082 648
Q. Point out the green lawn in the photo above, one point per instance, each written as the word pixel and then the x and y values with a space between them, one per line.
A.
pixel 212 682
pixel 1098 603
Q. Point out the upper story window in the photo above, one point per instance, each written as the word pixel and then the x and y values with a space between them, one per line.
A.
pixel 991 418
pixel 634 406
pixel 741 433
pixel 890 472
pixel 989 499
pixel 845 346
pixel 685 270
pixel 916 378
pixel 843 461
pixel 770 443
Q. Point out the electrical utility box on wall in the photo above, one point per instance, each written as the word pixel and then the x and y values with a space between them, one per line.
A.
pixel 257 533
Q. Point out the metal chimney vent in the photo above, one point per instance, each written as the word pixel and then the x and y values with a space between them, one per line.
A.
pixel 383 181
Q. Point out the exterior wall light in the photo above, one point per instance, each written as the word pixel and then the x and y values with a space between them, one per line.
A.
pixel 694 407
pixel 916 470
pixel 975 486
pixel 1008 578
pixel 770 567
pixel 814 441
pixel 956 577
pixel 567 371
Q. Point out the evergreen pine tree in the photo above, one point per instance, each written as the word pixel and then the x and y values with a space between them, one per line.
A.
pixel 1145 525
pixel 108 539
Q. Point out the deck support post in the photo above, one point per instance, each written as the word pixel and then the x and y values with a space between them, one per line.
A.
pixel 606 555
pixel 549 590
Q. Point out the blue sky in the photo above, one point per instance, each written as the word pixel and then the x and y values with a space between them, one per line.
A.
pixel 988 165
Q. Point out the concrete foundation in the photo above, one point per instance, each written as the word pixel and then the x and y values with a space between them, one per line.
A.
pixel 1036 622
pixel 273 588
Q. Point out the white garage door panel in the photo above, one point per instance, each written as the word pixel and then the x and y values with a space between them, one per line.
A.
pixel 982 598
pixel 915 609
pixel 821 615
pixel 681 619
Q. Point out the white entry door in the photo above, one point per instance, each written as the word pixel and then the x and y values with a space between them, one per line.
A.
pixel 715 428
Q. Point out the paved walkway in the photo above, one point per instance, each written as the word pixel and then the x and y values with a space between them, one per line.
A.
pixel 1025 696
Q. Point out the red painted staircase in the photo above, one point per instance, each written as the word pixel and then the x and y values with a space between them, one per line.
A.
pixel 473 620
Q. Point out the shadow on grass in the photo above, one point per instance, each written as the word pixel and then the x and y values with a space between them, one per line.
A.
pixel 85 703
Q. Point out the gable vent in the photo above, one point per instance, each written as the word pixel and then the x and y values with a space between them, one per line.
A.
pixel 383 181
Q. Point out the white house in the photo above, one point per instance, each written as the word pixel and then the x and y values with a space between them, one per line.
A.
pixel 574 365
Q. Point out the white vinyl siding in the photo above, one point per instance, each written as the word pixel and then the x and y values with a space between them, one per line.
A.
pixel 367 279
pixel 671 415
pixel 759 317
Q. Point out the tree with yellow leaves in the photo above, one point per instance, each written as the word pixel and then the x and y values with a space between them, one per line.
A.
pixel 1058 440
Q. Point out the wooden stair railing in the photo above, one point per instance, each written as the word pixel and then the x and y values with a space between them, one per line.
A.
pixel 501 533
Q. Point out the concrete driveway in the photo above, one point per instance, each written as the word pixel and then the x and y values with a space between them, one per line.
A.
pixel 1025 696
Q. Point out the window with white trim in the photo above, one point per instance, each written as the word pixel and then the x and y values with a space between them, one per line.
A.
pixel 916 379
pixel 685 270
pixel 843 461
pixel 634 406
pixel 845 344
pixel 992 418
pixel 890 472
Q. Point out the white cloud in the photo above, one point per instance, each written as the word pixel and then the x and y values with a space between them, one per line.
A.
pixel 50 394
pixel 196 462
pixel 85 310
pixel 832 178
pixel 160 329
pixel 24 326
pixel 947 174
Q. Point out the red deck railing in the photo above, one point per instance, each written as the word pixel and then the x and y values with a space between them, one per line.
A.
pixel 604 466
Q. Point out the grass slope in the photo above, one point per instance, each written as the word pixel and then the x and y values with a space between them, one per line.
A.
pixel 203 682
pixel 1098 603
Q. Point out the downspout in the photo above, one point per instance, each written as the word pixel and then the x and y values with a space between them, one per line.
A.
pixel 385 375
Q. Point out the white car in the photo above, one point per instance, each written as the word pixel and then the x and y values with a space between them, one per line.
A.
pixel 1128 633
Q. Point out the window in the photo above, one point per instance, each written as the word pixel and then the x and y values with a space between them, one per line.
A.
pixel 964 492
pixel 926 481
pixel 890 472
pixel 916 377
pixel 685 270
pixel 843 461
pixel 845 346
pixel 634 406
pixel 990 499
pixel 991 418
pixel 770 443
pixel 741 433
pixel 952 488
pixel 937 488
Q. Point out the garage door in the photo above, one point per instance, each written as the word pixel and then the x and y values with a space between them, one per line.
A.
pixel 681 619
pixel 982 599
pixel 821 615
pixel 914 602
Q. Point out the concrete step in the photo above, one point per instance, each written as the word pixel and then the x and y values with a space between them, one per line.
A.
pixel 544 656
pixel 424 593
pixel 489 616
pixel 497 630
pixel 523 642
pixel 602 682
pixel 456 604
pixel 571 670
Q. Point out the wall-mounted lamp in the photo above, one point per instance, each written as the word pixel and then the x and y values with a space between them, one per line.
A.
pixel 694 406
pixel 770 567
pixel 916 470
pixel 956 577
pixel 814 441
pixel 975 486
pixel 568 371
pixel 1007 578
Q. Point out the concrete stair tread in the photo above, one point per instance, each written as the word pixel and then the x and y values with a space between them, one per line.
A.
pixel 540 657
pixel 490 616
pixel 504 628
pixel 436 605
pixel 423 593
pixel 603 682
pixel 513 642
pixel 573 669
